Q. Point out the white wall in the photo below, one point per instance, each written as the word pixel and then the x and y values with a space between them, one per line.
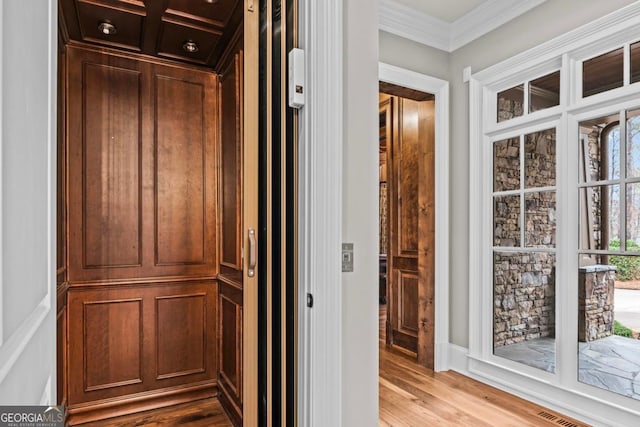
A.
pixel 543 23
pixel 413 56
pixel 360 199
pixel 28 35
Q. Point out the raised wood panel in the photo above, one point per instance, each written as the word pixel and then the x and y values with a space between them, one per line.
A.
pixel 180 171
pixel 407 169
pixel 142 170
pixel 111 146
pixel 407 299
pixel 230 336
pixel 181 330
pixel 139 342
pixel 231 171
pixel 61 356
pixel 61 172
pixel 113 333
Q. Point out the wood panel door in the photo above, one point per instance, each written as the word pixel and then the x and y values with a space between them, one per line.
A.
pixel 412 221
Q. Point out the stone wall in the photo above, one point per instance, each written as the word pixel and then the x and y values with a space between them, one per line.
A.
pixel 596 285
pixel 524 283
pixel 524 297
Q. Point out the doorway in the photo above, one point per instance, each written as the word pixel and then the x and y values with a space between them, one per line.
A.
pixel 413 84
pixel 161 246
pixel 407 220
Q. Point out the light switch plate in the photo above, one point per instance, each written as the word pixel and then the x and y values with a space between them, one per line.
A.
pixel 347 257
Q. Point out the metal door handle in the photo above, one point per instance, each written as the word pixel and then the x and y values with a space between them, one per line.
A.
pixel 251 268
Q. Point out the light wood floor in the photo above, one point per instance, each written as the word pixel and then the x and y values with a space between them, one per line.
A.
pixel 410 396
pixel 202 413
pixel 413 396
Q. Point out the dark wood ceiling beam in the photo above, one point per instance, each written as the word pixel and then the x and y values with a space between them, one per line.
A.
pixel 155 10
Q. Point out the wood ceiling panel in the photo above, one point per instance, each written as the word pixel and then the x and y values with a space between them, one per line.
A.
pixel 128 23
pixel 215 14
pixel 156 27
pixel 173 36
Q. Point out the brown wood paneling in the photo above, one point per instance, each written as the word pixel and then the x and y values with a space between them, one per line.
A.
pixel 403 92
pixel 181 325
pixel 142 170
pixel 140 340
pixel 111 145
pixel 231 155
pixel 406 174
pixel 180 171
pixel 61 356
pixel 230 336
pixel 113 355
pixel 407 307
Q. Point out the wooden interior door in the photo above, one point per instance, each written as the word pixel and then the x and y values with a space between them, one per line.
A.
pixel 411 178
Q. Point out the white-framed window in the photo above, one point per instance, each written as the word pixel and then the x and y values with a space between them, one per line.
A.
pixel 555 219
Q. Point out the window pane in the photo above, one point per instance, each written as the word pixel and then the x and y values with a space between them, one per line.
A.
pixel 540 219
pixel 540 158
pixel 506 221
pixel 510 103
pixel 633 217
pixel 635 62
pixel 506 164
pixel 524 308
pixel 608 356
pixel 633 144
pixel 600 218
pixel 544 92
pixel 600 149
pixel 602 73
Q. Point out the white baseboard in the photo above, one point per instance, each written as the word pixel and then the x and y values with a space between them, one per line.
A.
pixel 572 405
pixel 458 359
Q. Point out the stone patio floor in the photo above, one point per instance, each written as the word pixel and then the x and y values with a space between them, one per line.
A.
pixel 611 363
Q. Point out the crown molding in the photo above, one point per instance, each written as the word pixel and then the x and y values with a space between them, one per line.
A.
pixel 485 18
pixel 403 21
pixel 398 19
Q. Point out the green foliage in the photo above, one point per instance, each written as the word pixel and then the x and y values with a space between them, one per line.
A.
pixel 628 266
pixel 620 329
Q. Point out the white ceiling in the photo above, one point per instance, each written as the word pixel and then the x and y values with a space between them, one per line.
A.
pixel 444 10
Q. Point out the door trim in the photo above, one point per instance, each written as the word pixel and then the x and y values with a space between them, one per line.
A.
pixel 440 88
pixel 320 215
pixel 250 214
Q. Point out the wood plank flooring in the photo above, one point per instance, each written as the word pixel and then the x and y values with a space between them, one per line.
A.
pixel 206 412
pixel 413 396
pixel 410 396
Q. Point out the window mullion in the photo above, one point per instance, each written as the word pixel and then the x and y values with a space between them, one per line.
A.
pixel 522 186
pixel 623 181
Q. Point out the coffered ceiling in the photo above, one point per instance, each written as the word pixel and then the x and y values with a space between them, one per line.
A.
pixel 194 31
